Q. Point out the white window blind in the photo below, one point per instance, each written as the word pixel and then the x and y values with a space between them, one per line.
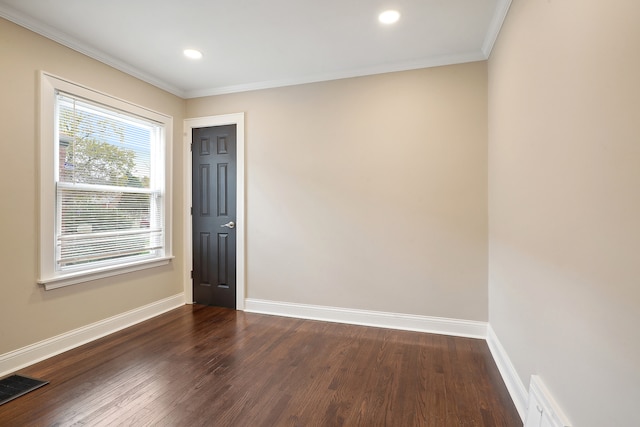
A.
pixel 109 186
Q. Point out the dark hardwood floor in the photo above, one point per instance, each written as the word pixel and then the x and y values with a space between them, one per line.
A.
pixel 209 366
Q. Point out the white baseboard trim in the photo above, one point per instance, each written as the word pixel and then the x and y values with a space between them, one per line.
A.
pixel 407 322
pixel 18 359
pixel 516 388
pixel 25 356
pixel 543 408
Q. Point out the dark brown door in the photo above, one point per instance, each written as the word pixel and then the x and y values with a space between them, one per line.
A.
pixel 214 215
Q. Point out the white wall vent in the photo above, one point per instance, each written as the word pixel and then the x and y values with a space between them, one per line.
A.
pixel 543 411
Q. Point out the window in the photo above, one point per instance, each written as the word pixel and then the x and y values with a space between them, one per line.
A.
pixel 104 185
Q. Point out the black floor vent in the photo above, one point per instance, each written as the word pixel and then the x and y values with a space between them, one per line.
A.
pixel 16 385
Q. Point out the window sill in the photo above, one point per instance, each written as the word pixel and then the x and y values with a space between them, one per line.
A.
pixel 86 276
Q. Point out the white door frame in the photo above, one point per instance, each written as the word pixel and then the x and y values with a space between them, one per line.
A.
pixel 203 122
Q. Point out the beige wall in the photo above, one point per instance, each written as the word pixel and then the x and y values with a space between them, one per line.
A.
pixel 564 202
pixel 28 314
pixel 368 193
pixel 361 193
pixel 372 193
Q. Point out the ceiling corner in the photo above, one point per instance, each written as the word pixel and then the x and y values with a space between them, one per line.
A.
pixel 499 15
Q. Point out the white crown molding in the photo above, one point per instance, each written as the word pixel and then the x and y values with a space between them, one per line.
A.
pixel 25 356
pixel 407 322
pixel 499 15
pixel 36 26
pixel 435 61
pixel 516 388
pixel 44 30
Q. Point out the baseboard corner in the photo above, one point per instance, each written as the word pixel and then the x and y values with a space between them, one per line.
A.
pixel 512 381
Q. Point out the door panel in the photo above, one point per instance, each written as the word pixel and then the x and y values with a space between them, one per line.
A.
pixel 214 215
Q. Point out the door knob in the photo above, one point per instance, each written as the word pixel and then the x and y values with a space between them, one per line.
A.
pixel 230 224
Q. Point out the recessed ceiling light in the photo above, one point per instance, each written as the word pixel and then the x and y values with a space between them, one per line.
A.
pixel 389 16
pixel 192 53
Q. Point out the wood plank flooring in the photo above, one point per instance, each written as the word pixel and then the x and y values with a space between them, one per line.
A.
pixel 209 366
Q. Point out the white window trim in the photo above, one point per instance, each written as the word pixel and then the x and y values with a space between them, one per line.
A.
pixel 48 275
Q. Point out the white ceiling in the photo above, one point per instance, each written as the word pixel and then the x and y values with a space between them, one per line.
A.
pixel 254 44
